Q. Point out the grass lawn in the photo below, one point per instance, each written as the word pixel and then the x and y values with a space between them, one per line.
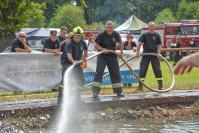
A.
pixel 188 81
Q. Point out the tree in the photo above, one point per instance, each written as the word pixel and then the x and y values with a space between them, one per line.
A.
pixel 95 26
pixel 165 15
pixel 35 15
pixel 188 10
pixel 68 15
pixel 51 5
pixel 17 14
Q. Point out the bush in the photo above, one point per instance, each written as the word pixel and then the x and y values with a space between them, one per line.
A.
pixel 95 26
pixel 68 15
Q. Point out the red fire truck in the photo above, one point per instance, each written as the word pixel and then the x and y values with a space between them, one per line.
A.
pixel 187 32
pixel 89 33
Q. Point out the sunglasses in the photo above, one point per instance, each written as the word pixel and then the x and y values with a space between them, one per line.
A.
pixel 21 36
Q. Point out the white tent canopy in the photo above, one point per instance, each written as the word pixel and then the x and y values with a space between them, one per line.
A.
pixel 133 23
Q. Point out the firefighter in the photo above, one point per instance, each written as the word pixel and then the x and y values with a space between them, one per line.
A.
pixel 151 42
pixel 63 37
pixel 107 41
pixel 75 50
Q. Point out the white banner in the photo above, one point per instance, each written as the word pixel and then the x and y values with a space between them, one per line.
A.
pixel 42 71
pixel 29 71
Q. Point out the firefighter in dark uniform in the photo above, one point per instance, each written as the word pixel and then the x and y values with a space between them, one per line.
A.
pixel 51 45
pixel 75 50
pixel 107 41
pixel 63 38
pixel 151 42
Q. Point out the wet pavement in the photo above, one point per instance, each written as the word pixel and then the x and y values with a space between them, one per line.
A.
pixel 104 101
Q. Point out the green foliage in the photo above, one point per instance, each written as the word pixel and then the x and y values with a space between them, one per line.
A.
pixel 95 26
pixel 11 16
pixel 165 15
pixel 17 14
pixel 120 10
pixel 83 3
pixel 35 15
pixel 51 5
pixel 68 15
pixel 188 10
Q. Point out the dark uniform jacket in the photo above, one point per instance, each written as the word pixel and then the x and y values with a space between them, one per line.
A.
pixel 108 41
pixel 51 45
pixel 150 42
pixel 76 49
pixel 61 39
pixel 17 44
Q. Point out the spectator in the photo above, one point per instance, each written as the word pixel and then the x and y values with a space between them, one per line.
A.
pixel 20 44
pixel 130 44
pixel 91 43
pixel 63 38
pixel 51 45
pixel 177 54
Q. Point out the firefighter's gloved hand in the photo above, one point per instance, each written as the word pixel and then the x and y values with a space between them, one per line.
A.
pixel 84 65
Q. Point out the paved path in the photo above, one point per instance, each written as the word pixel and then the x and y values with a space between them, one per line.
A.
pixel 131 100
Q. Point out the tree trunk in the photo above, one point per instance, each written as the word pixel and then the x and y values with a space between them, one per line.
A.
pixel 5 42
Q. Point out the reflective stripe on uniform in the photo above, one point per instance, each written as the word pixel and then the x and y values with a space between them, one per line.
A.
pixel 118 85
pixel 97 84
pixel 159 78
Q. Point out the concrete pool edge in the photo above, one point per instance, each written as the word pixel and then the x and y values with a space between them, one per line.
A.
pixel 110 101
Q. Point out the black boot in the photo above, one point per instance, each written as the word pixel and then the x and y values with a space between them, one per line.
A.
pixel 120 95
pixel 140 87
pixel 96 91
pixel 60 95
pixel 160 86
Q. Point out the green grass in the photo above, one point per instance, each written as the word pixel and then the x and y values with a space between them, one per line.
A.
pixel 186 81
